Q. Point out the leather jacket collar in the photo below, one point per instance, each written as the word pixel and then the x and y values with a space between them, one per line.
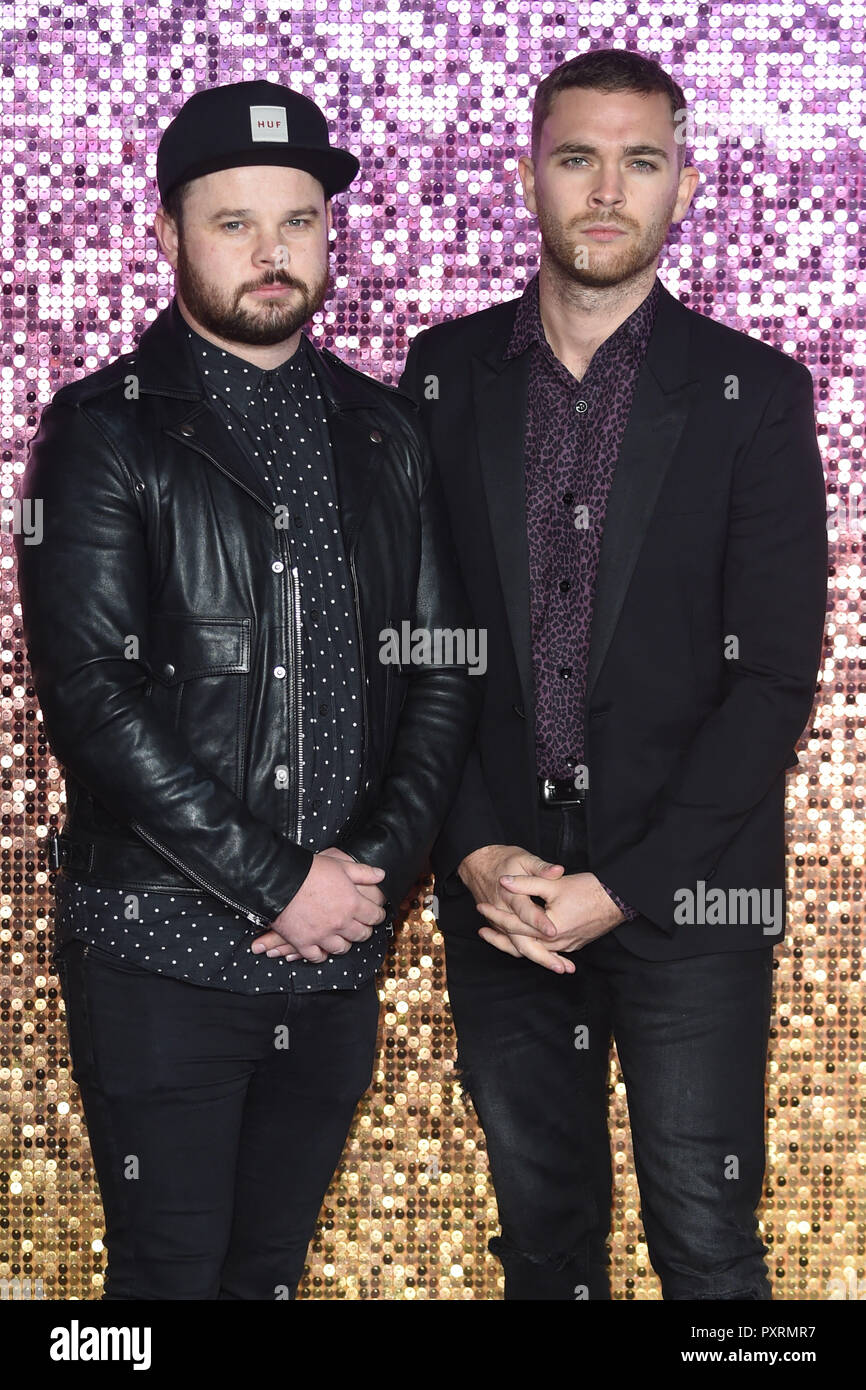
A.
pixel 165 367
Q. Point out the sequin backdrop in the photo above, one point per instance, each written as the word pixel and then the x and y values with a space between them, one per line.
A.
pixel 435 99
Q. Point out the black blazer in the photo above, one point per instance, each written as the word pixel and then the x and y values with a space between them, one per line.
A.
pixel 715 527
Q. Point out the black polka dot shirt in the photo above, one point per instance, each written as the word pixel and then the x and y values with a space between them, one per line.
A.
pixel 278 419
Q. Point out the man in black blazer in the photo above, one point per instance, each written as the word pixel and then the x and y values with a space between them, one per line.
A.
pixel 637 497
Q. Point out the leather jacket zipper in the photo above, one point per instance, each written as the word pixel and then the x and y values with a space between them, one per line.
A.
pixel 362 668
pixel 295 701
pixel 197 878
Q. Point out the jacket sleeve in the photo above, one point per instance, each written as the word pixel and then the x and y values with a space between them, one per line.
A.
pixel 438 714
pixel 84 591
pixel 774 602
pixel 472 821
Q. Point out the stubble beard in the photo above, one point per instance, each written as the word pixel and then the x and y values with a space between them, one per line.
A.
pixel 560 245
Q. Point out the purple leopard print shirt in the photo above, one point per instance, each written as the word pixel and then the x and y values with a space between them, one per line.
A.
pixel 574 430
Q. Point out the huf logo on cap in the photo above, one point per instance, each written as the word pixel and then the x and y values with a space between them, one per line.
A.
pixel 269 123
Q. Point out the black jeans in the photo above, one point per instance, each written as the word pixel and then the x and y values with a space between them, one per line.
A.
pixel 533 1053
pixel 216 1121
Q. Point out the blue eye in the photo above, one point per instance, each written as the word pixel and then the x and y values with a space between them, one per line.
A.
pixel 645 163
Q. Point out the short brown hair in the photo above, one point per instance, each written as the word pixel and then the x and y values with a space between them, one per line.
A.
pixel 608 70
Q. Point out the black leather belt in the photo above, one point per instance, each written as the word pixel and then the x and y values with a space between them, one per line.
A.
pixel 560 791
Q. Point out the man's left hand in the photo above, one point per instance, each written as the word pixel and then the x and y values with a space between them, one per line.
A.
pixel 576 903
pixel 274 943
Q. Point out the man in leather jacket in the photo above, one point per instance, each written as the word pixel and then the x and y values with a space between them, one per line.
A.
pixel 252 788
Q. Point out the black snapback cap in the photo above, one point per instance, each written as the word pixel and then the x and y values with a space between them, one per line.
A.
pixel 250 123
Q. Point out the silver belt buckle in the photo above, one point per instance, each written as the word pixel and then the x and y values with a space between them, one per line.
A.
pixel 547 789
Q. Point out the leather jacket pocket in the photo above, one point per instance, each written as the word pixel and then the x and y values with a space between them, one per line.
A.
pixel 200 670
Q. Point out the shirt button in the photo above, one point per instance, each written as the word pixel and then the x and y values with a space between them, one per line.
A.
pixel 564 586
pixel 278 567
pixel 280 672
pixel 565 673
pixel 568 499
pixel 323 709
pixel 581 407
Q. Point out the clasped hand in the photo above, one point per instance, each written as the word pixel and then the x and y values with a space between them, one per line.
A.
pixel 337 905
pixel 504 879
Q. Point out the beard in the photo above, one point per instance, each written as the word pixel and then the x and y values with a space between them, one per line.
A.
pixel 222 313
pixel 611 268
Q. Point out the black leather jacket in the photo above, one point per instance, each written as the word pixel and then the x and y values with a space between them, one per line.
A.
pixel 161 621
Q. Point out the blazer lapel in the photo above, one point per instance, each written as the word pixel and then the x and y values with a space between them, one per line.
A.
pixel 500 389
pixel 663 395
pixel 664 392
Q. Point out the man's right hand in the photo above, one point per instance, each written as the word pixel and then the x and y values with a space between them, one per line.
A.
pixel 329 913
pixel 482 870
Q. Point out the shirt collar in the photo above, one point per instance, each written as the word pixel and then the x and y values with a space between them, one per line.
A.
pixel 528 328
pixel 239 381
